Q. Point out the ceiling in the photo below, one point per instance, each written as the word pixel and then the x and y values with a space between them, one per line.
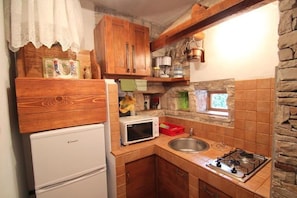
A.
pixel 158 12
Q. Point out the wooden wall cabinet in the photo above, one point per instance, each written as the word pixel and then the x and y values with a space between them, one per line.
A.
pixel 140 178
pixel 172 181
pixel 122 48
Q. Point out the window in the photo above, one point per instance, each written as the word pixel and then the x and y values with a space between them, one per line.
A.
pixel 212 102
pixel 217 101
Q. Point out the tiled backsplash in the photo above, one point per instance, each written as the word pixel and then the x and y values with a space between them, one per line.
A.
pixel 253 120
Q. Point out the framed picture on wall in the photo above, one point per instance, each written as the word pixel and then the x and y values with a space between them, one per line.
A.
pixel 61 68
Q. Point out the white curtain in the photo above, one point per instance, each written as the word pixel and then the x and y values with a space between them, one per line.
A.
pixel 44 22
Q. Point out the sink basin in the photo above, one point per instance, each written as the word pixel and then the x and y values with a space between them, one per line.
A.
pixel 188 144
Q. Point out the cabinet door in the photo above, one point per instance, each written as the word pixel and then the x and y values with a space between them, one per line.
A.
pixel 140 178
pixel 172 182
pixel 140 50
pixel 117 45
pixel 208 191
pixel 122 48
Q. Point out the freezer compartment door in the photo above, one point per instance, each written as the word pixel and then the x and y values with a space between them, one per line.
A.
pixel 88 186
pixel 62 154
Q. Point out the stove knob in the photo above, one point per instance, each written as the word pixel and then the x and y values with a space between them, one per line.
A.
pixel 233 170
pixel 219 164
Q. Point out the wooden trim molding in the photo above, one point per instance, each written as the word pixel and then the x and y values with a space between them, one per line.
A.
pixel 203 18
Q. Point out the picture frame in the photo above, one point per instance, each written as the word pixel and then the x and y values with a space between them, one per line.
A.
pixel 61 68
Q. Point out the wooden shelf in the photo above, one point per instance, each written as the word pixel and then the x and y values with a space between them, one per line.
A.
pixel 167 80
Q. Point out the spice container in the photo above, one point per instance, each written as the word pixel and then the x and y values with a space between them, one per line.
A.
pixel 178 71
pixel 156 72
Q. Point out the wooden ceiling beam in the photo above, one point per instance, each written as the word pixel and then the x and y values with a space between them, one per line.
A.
pixel 203 18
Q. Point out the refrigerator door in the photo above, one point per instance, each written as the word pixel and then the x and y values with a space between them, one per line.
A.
pixel 64 154
pixel 92 185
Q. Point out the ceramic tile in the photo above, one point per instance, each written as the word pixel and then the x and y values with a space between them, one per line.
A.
pixel 250 105
pixel 229 140
pixel 272 83
pixel 263 95
pixel 239 124
pixel 251 115
pixel 229 132
pixel 264 83
pixel 250 126
pixel 220 130
pixel 250 136
pixel 272 104
pixel 215 136
pixel 263 117
pixel 262 138
pixel 240 104
pixel 243 193
pixel 239 134
pixel 240 114
pixel 239 143
pixel 263 127
pixel 272 95
pixel 250 146
pixel 251 95
pixel 121 180
pixel 264 190
pixel 263 149
pixel 239 85
pixel 263 106
pixel 240 95
pixel 250 84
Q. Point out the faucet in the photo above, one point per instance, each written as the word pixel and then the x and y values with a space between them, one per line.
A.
pixel 191 132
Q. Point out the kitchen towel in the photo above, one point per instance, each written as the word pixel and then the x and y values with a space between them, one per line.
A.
pixel 128 84
pixel 141 85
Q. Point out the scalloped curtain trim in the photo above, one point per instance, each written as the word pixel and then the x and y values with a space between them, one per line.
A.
pixel 44 22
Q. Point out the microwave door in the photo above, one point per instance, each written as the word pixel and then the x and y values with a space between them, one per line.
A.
pixel 139 131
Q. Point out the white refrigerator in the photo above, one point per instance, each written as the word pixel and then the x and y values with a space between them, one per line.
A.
pixel 69 162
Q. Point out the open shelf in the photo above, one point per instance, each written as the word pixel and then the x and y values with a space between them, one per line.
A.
pixel 185 80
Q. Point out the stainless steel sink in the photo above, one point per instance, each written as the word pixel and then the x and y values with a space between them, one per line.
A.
pixel 188 144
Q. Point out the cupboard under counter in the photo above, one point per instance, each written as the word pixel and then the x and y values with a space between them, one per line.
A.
pixel 195 165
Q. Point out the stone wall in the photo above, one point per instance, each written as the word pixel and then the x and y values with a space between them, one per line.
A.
pixel 284 174
pixel 171 97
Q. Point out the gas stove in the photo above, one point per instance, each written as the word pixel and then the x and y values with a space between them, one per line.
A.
pixel 239 164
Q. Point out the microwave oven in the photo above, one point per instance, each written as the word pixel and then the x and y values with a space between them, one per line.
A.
pixel 138 128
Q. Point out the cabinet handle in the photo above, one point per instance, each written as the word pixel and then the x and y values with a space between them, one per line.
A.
pixel 133 59
pixel 211 194
pixel 179 172
pixel 127 177
pixel 127 58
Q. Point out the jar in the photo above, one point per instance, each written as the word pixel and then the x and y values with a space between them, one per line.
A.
pixel 156 72
pixel 178 71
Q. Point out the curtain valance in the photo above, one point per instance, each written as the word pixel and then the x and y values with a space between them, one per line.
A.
pixel 44 22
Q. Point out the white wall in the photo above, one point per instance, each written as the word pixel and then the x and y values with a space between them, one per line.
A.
pixel 88 15
pixel 244 47
pixel 12 167
pixel 12 182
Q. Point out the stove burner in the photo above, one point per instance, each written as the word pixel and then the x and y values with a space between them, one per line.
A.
pixel 247 155
pixel 234 162
pixel 239 164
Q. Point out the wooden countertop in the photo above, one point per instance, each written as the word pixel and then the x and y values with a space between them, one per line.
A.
pixel 259 183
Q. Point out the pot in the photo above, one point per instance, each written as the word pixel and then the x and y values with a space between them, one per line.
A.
pixel 195 54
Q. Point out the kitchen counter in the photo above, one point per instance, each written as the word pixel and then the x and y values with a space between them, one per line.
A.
pixel 195 165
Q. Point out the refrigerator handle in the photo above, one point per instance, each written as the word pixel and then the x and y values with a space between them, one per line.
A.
pixel 70 181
